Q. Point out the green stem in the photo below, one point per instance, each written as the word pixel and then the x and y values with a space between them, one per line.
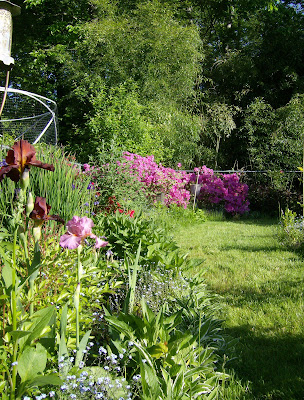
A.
pixel 77 295
pixel 32 297
pixel 8 376
pixel 14 314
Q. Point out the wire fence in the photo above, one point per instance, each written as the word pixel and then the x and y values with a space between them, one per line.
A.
pixel 30 117
pixel 242 171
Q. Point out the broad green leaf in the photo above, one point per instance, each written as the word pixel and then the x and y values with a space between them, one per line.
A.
pixel 2 386
pixel 52 379
pixel 120 326
pixel 150 382
pixel 7 274
pixel 34 268
pixel 32 362
pixel 43 380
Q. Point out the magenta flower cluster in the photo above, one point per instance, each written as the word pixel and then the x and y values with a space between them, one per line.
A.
pixel 225 189
pixel 157 179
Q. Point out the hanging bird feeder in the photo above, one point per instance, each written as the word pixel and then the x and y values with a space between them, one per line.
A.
pixel 8 10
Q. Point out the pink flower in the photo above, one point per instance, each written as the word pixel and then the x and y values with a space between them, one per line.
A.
pixel 79 229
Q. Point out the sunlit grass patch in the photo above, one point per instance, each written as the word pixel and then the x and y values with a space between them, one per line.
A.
pixel 260 283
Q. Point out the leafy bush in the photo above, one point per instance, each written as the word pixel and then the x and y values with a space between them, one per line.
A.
pixel 292 229
pixel 110 180
pixel 124 234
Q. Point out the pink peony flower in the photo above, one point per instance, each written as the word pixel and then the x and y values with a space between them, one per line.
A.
pixel 79 229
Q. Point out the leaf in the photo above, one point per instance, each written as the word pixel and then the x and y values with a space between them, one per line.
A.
pixel 63 325
pixel 82 346
pixel 32 362
pixel 19 334
pixel 119 326
pixel 7 275
pixel 150 383
pixel 129 302
pixel 63 320
pixel 52 379
pixel 33 270
pixel 158 350
pixel 178 384
pixel 41 319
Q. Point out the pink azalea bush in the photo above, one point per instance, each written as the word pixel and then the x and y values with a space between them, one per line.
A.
pixel 225 189
pixel 157 179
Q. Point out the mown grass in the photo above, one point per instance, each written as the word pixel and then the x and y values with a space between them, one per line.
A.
pixel 261 286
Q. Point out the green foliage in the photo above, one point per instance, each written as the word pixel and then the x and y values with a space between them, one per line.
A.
pixel 128 78
pixel 120 117
pixel 171 217
pixel 69 192
pixel 172 362
pixel 125 233
pixel 153 75
pixel 217 123
pixel 26 337
pixel 112 181
pixel 69 186
pixel 291 230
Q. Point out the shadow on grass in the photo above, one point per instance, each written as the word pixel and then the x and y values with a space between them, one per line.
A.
pixel 272 360
pixel 266 221
pixel 252 249
pixel 274 366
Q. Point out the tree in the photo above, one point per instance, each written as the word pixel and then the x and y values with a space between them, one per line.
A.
pixel 87 54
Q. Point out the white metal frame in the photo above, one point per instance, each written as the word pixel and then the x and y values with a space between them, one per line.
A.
pixel 41 99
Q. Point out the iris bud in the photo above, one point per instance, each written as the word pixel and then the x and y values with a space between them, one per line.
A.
pixel 29 204
pixel 25 179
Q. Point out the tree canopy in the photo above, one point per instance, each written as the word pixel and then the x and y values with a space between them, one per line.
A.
pixel 192 81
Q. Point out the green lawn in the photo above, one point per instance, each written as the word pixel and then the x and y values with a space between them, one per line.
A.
pixel 261 287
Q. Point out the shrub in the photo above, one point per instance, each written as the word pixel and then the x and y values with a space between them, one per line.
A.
pixel 224 191
pixel 157 179
pixel 292 229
